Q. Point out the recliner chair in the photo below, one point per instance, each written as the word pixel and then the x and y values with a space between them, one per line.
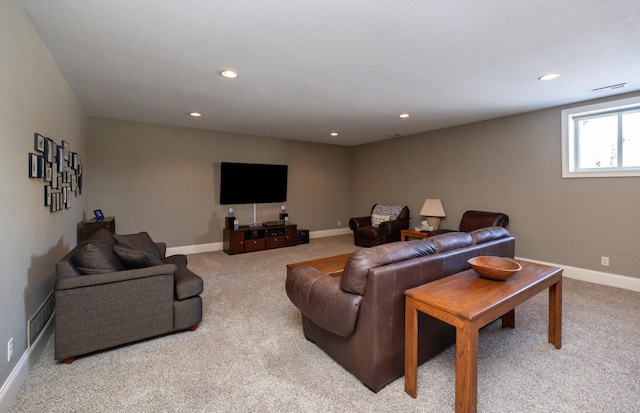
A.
pixel 473 220
pixel 368 233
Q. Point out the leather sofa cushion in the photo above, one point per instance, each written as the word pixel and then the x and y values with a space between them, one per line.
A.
pixel 140 242
pixel 354 277
pixel 95 257
pixel 133 259
pixel 488 234
pixel 368 232
pixel 451 241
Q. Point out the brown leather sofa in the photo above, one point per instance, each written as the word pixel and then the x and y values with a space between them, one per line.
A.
pixel 366 234
pixel 358 319
pixel 472 220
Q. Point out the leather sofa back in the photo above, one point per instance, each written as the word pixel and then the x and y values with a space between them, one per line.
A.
pixel 354 277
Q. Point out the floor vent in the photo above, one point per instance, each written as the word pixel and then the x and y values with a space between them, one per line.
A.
pixel 40 319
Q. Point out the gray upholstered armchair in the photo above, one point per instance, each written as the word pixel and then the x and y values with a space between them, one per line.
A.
pixel 382 226
pixel 114 290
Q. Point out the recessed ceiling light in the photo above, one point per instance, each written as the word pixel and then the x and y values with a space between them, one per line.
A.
pixel 549 76
pixel 403 115
pixel 334 133
pixel 230 74
pixel 195 114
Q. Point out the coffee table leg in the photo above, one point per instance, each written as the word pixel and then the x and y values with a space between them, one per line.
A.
pixel 555 314
pixel 411 349
pixel 509 319
pixel 466 367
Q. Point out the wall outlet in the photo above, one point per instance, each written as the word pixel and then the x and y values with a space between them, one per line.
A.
pixel 339 223
pixel 604 261
pixel 10 350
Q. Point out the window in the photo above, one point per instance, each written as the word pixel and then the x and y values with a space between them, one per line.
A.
pixel 601 140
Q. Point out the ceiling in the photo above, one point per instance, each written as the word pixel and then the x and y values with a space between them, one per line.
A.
pixel 308 68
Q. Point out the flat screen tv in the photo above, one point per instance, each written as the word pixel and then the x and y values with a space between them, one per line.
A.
pixel 252 183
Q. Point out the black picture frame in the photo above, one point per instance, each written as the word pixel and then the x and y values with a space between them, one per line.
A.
pixel 65 147
pixel 38 142
pixel 98 213
pixel 33 165
pixel 47 195
pixel 54 178
pixel 48 172
pixel 49 150
pixel 60 158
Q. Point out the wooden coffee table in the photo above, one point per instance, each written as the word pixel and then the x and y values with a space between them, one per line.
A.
pixel 330 265
pixel 469 302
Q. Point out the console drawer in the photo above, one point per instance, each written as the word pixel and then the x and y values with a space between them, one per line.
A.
pixel 276 242
pixel 253 245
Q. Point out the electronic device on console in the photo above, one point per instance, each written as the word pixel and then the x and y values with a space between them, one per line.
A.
pixel 272 223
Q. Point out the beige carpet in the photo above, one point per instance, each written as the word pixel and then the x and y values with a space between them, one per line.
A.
pixel 249 355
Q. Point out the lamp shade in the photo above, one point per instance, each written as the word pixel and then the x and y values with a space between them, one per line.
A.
pixel 432 208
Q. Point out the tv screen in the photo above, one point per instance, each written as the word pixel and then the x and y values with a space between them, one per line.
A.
pixel 252 183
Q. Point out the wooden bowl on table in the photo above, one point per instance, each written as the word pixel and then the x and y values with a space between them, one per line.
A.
pixel 494 268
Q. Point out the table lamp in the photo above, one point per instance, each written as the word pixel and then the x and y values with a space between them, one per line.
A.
pixel 432 210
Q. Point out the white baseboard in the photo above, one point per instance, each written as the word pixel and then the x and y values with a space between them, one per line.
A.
pixel 217 246
pixel 195 249
pixel 329 233
pixel 20 372
pixel 596 277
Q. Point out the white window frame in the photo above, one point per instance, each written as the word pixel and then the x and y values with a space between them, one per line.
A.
pixel 568 140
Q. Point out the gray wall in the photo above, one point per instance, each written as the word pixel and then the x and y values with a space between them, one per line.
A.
pixel 165 180
pixel 34 98
pixel 511 165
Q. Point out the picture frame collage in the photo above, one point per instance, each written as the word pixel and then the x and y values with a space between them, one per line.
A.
pixel 60 169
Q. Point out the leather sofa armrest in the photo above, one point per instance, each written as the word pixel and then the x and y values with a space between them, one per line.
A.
pixel 81 281
pixel 319 297
pixel 358 222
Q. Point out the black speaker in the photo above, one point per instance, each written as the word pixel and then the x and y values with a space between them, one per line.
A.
pixel 303 236
pixel 229 222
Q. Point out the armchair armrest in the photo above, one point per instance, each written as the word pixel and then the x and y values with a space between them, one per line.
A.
pixel 99 311
pixel 357 222
pixel 319 297
pixel 162 247
pixel 67 283
pixel 389 230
